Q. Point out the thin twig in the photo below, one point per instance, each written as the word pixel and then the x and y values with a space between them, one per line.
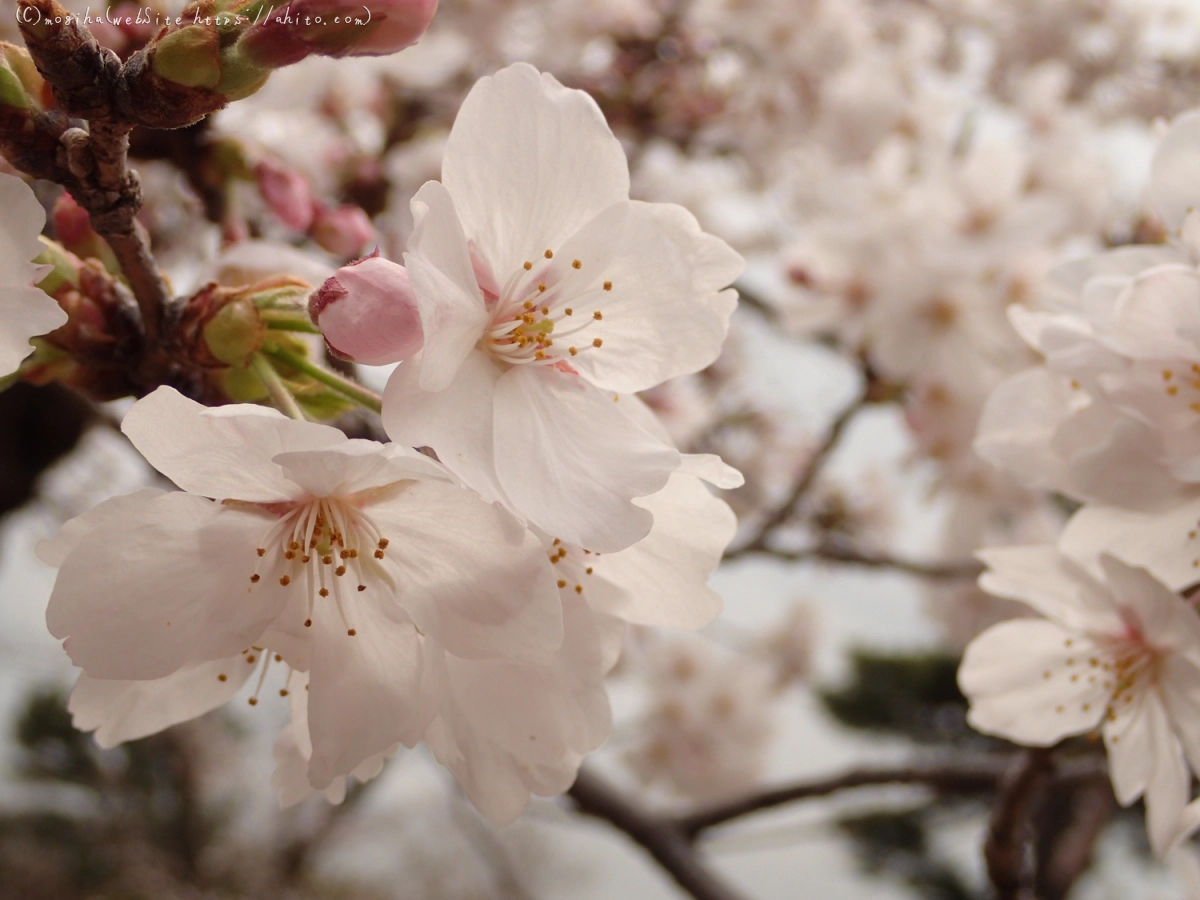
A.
pixel 807 478
pixel 661 837
pixel 851 557
pixel 977 776
pixel 1008 850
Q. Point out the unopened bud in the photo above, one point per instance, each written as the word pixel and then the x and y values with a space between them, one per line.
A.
pixel 21 85
pixel 190 56
pixel 368 312
pixel 235 332
pixel 344 231
pixel 335 28
pixel 287 193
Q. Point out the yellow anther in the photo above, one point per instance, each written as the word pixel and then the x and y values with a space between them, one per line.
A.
pixel 608 285
pixel 576 264
pixel 352 632
pixel 362 587
pixel 579 588
pixel 253 701
pixel 308 623
pixel 528 265
pixel 541 288
pixel 255 579
pixel 290 554
pixel 340 570
pixel 379 554
pixel 261 552
pixel 278 657
pixel 561 583
pixel 222 677
pixel 597 315
pixel 324 592
pixel 1167 374
pixel 285 580
pixel 597 342
pixel 1172 390
pixel 327 559
pixel 283 692
pixel 549 254
pixel 569 311
pixel 528 304
pixel 588 570
pixel 250 659
pixel 573 351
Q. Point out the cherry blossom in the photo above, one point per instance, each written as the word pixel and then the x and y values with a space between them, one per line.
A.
pixel 359 563
pixel 25 311
pixel 1117 652
pixel 545 295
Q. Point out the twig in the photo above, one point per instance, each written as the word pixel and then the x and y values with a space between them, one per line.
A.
pixel 851 557
pixel 807 478
pixel 1007 850
pixel 977 776
pixel 1070 852
pixel 661 837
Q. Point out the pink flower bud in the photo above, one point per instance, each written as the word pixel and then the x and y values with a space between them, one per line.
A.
pixel 343 231
pixel 335 28
pixel 368 312
pixel 287 193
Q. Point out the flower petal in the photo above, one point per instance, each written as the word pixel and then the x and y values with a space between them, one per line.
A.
pixel 664 313
pixel 469 573
pixel 225 452
pixel 1046 580
pixel 356 466
pixel 528 162
pixel 369 691
pixel 571 462
pixel 54 551
pixel 163 587
pixel 456 422
pixel 1175 172
pixel 662 579
pixel 127 710
pixel 25 311
pixel 1004 674
pixel 453 313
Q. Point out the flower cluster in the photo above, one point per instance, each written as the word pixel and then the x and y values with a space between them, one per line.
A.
pixel 473 596
pixel 1109 419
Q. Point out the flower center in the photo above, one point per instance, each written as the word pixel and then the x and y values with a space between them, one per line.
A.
pixel 541 313
pixel 325 546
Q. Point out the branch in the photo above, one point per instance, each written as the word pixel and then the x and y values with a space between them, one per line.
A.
pixel 977 776
pixel 659 836
pixel 806 480
pixel 851 557
pixel 1007 850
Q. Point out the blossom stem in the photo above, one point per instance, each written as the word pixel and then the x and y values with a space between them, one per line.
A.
pixel 287 320
pixel 280 395
pixel 344 386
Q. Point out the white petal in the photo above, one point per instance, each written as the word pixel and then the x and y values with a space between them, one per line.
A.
pixel 224 452
pixel 469 573
pixel 1175 173
pixel 127 710
pixel 571 462
pixel 1129 741
pixel 713 469
pixel 665 313
pixel 528 162
pixel 54 551
pixel 1169 788
pixel 662 579
pixel 165 586
pixel 369 691
pixel 455 422
pixel 1042 577
pixel 25 311
pixel 355 466
pixel 1158 316
pixel 1003 674
pixel 1161 542
pixel 1165 618
pixel 453 313
pixel 508 728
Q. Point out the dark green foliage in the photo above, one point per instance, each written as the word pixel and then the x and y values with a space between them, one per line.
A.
pixel 895 845
pixel 915 696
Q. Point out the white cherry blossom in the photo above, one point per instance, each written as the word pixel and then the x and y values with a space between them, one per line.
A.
pixel 1117 652
pixel 25 311
pixel 545 295
pixel 359 563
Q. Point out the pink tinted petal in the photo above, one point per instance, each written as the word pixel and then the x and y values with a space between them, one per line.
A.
pixel 664 313
pixel 343 230
pixel 356 466
pixel 368 691
pixel 456 422
pixel 453 314
pixel 1046 580
pixel 662 579
pixel 1003 674
pixel 368 312
pixel 529 162
pixel 224 452
pixel 121 711
pixel 161 588
pixel 469 573
pixel 572 462
pixel 287 193
pixel 54 551
pixel 1175 173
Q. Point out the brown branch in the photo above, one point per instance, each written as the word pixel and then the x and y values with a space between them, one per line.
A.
pixel 847 556
pixel 807 478
pixel 1007 850
pixel 976 776
pixel 1070 851
pixel 659 836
